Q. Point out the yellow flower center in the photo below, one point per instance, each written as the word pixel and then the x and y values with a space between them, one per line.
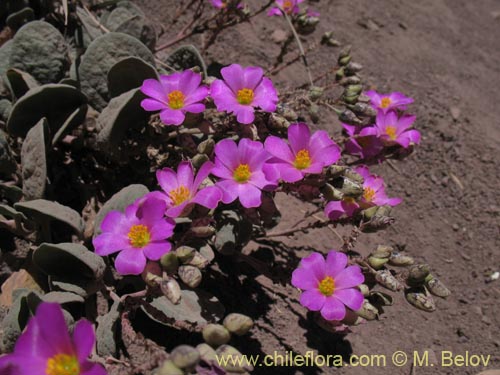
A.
pixel 302 159
pixel 327 286
pixel 176 99
pixel 391 132
pixel 62 364
pixel 368 194
pixel 385 102
pixel 245 96
pixel 179 195
pixel 139 236
pixel 287 6
pixel 242 173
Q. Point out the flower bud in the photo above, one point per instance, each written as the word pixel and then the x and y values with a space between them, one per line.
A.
pixel 238 324
pixel 382 251
pixel 278 122
pixel 190 276
pixel 343 61
pixel 206 147
pixel 232 360
pixel 353 90
pixel 316 93
pixel 330 193
pixel 306 24
pixel 170 262
pixel 169 368
pixel 381 299
pixel 199 159
pixel 350 118
pixel 364 289
pixel 417 274
pixel 420 299
pixel 314 112
pixel 334 326
pixel 328 40
pixel 336 170
pixel 185 357
pixel 346 51
pixel 367 311
pixel 353 176
pixel 377 263
pixel 197 261
pixel 351 188
pixel 216 335
pixel 436 287
pixel 364 109
pixel 171 289
pixel 353 68
pixel 387 280
pixel 207 353
pixel 352 80
pixel 399 260
pixel 339 74
pixel 185 253
pixel 351 99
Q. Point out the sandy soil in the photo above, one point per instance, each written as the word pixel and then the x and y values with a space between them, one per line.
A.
pixel 445 54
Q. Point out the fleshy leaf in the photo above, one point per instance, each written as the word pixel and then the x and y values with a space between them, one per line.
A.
pixel 34 161
pixel 128 74
pixel 74 120
pixel 68 259
pixel 187 57
pixel 55 102
pixel 20 82
pixel 105 331
pixel 101 55
pixel 39 49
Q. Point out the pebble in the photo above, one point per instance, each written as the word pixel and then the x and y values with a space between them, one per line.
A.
pixel 279 36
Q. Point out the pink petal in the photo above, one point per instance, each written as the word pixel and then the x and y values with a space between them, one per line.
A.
pixel 229 190
pixel 351 297
pixel 234 76
pixel 279 149
pixel 171 82
pixel 180 210
pixel 209 197
pixel 32 344
pixel 167 179
pixel 289 173
pixel 227 152
pixel 155 90
pixel 349 277
pixel 172 116
pixel 194 108
pixel 244 114
pixel 303 279
pixel 109 242
pixel 251 153
pixel 53 327
pixel 333 309
pixel 113 222
pixel 152 105
pixel 189 81
pixel 202 174
pixel 335 263
pixel 84 339
pixel 299 136
pixel 198 95
pixel 312 299
pixel 130 261
pixel 252 76
pixel 185 175
pixel 315 263
pixel 224 98
pixel 152 210
pixel 334 210
pixel 155 250
pixel 266 96
pixel 162 229
pixel 250 196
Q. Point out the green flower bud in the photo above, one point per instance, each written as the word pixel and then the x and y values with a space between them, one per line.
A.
pixel 336 170
pixel 351 99
pixel 339 74
pixel 436 287
pixel 185 253
pixel 346 51
pixel 197 261
pixel 381 299
pixel 169 368
pixel 350 118
pixel 331 194
pixel 170 262
pixel 216 335
pixel 351 188
pixel 343 61
pixel 171 289
pixel 185 357
pixel 353 90
pixel 352 80
pixel 387 280
pixel 316 93
pixel 363 109
pixel 352 68
pixel 199 159
pixel 383 252
pixel 206 147
pixel 238 324
pixel 207 353
pixel 367 311
pixel 420 299
pixel 191 276
pixel 377 263
pixel 417 274
pixel 314 112
pixel 399 260
pixel 278 122
pixel 328 40
pixel 233 360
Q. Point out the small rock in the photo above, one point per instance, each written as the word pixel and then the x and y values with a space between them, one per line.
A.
pixel 279 36
pixel 368 24
pixel 456 227
pixel 455 113
pixel 403 25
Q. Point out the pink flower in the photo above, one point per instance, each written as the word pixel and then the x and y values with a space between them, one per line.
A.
pixel 305 153
pixel 182 189
pixel 288 6
pixel 243 90
pixel 45 347
pixel 243 171
pixel 222 4
pixel 174 95
pixel 393 130
pixel 385 103
pixel 373 195
pixel 329 286
pixel 138 234
pixel 362 142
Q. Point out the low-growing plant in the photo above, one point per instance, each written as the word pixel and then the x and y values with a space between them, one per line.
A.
pixel 130 177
